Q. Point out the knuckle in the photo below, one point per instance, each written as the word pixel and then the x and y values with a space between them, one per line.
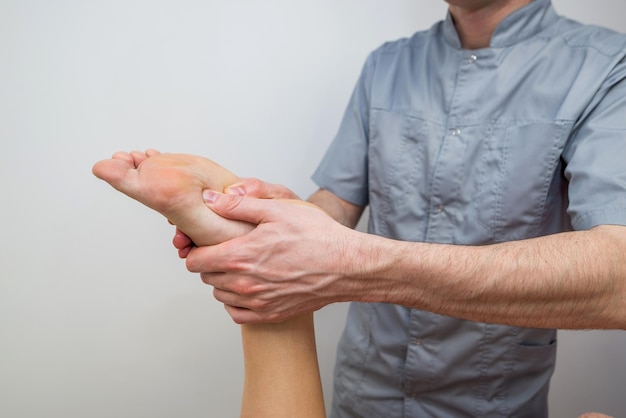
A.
pixel 259 305
pixel 238 286
pixel 254 187
pixel 229 202
pixel 194 264
pixel 190 264
pixel 244 286
pixel 206 279
pixel 234 314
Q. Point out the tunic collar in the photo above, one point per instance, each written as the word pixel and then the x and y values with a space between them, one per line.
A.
pixel 520 25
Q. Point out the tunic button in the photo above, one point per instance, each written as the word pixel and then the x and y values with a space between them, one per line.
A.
pixel 455 132
pixel 472 59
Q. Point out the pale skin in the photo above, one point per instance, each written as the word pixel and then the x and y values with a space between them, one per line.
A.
pixel 573 280
pixel 281 370
pixel 475 20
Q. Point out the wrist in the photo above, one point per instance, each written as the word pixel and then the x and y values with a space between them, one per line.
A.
pixel 376 271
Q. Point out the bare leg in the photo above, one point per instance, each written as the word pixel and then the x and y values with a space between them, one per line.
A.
pixel 281 371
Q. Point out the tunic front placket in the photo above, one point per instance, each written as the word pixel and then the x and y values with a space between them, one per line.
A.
pixel 424 365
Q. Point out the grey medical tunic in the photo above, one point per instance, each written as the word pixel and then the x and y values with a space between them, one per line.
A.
pixel 522 139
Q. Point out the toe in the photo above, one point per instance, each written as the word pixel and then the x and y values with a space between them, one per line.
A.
pixel 138 157
pixel 113 171
pixel 124 156
pixel 151 152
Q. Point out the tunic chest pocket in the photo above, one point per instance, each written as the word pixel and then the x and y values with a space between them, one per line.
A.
pixel 514 175
pixel 397 173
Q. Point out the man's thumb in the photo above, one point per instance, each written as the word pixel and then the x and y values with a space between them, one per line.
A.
pixel 232 206
pixel 210 197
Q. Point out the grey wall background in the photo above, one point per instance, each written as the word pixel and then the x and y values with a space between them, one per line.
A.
pixel 98 317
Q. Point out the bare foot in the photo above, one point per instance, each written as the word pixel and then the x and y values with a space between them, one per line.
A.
pixel 281 371
pixel 172 185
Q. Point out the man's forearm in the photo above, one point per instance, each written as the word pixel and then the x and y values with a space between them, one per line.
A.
pixel 569 280
pixel 340 210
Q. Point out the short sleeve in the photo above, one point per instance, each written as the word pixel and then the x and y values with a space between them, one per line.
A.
pixel 344 168
pixel 596 157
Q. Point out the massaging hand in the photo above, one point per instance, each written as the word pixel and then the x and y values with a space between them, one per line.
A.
pixel 246 187
pixel 289 264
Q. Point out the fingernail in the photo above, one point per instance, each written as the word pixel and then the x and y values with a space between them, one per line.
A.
pixel 239 191
pixel 209 196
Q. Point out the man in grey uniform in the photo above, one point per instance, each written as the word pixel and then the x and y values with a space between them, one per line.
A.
pixel 491 151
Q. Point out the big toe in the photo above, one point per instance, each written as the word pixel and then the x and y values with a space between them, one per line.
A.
pixel 115 171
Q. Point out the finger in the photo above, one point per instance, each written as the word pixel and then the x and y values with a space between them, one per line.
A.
pixel 255 211
pixel 182 243
pixel 202 260
pixel 242 316
pixel 184 252
pixel 229 298
pixel 181 240
pixel 238 311
pixel 248 187
pixel 247 316
pixel 240 189
pixel 229 256
pixel 254 187
pixel 237 290
pixel 217 280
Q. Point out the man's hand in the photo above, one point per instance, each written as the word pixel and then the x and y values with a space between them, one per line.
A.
pixel 251 187
pixel 289 264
